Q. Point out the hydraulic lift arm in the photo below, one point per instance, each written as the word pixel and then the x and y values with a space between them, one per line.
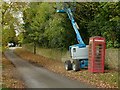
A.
pixel 75 26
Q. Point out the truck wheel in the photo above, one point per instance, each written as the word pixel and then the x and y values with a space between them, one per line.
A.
pixel 68 65
pixel 76 65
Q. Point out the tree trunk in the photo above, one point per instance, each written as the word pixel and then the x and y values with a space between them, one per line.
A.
pixel 34 47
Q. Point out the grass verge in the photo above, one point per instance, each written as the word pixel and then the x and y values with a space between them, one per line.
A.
pixel 109 79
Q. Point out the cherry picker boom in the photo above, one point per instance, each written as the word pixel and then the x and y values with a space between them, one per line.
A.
pixel 78 52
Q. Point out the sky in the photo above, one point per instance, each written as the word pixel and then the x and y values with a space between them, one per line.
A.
pixel 19 15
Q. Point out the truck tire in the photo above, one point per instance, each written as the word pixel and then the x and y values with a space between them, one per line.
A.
pixel 68 65
pixel 76 65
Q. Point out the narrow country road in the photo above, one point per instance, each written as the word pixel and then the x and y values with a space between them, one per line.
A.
pixel 39 77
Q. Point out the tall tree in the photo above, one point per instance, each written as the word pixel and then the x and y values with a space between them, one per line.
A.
pixel 10 20
pixel 106 23
pixel 50 29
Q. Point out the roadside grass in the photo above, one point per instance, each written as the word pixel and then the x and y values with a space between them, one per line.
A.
pixel 5 89
pixel 0 48
pixel 109 79
pixel 54 54
pixel 0 66
pixel 3 48
pixel 10 77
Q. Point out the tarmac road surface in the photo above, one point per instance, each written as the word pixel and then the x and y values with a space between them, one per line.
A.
pixel 39 77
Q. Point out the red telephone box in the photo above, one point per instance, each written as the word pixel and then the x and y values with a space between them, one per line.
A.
pixel 96 54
